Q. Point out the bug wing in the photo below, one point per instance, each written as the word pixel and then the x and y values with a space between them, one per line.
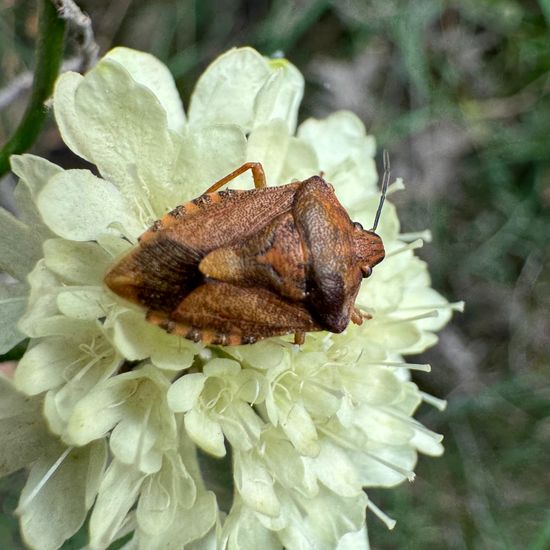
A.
pixel 219 219
pixel 222 313
pixel 163 268
pixel 155 275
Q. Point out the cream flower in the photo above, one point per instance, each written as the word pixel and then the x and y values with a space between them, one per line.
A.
pixel 131 408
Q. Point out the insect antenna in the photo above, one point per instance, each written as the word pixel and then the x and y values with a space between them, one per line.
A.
pixel 385 182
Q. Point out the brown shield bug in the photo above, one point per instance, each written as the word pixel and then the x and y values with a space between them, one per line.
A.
pixel 232 267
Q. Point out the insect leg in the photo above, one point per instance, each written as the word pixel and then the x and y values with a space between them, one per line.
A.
pixel 258 175
pixel 299 338
pixel 357 316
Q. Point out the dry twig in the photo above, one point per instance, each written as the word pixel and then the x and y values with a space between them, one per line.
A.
pixel 80 31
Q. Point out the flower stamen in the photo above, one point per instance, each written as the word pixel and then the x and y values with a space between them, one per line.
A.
pixel 425 236
pixel 409 474
pixel 440 404
pixel 419 243
pixel 383 517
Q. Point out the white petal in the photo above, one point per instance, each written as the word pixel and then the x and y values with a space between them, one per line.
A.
pixel 355 540
pixel 34 173
pixel 70 126
pixel 207 542
pixel 268 144
pixel 241 425
pixel 327 518
pixel 273 523
pixel 227 90
pixel 114 245
pixel 301 430
pixel 132 404
pixel 205 433
pixel 337 137
pixel 336 471
pixel 78 206
pixel 287 465
pixel 13 301
pixel 127 529
pixel 81 377
pixel 280 96
pixel 47 526
pixel 198 520
pixel 14 402
pixel 254 484
pixel 43 365
pixel 265 355
pixel 77 262
pixel 117 493
pixel 20 247
pixel 23 432
pixel 100 410
pixel 96 469
pixel 28 213
pixel 382 426
pixel 148 70
pixel 184 392
pixel 427 442
pixel 427 340
pixel 42 298
pixel 189 525
pixel 392 336
pixel 384 465
pixel 127 135
pixel 60 325
pixel 252 386
pixel 136 339
pixel 221 368
pixel 372 384
pixel 163 494
pixel 243 531
pixel 410 396
pixel 86 304
pixel 199 163
pixel 56 423
pixel 300 161
pixel 320 402
pixel 345 153
pixel 271 408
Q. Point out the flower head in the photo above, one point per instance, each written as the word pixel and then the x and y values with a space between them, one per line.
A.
pixel 132 408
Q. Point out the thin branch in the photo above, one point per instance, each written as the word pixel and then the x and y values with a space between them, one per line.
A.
pixel 49 52
pixel 80 29
pixel 81 33
pixel 23 82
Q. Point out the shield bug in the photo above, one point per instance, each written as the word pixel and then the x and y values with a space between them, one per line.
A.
pixel 232 266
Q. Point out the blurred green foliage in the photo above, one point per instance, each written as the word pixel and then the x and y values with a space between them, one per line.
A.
pixel 458 91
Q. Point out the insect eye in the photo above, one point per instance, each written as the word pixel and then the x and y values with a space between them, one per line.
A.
pixel 357 225
pixel 367 270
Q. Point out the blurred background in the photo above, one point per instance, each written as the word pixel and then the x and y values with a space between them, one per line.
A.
pixel 458 91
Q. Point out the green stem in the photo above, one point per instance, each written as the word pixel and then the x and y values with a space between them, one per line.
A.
pixel 49 52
